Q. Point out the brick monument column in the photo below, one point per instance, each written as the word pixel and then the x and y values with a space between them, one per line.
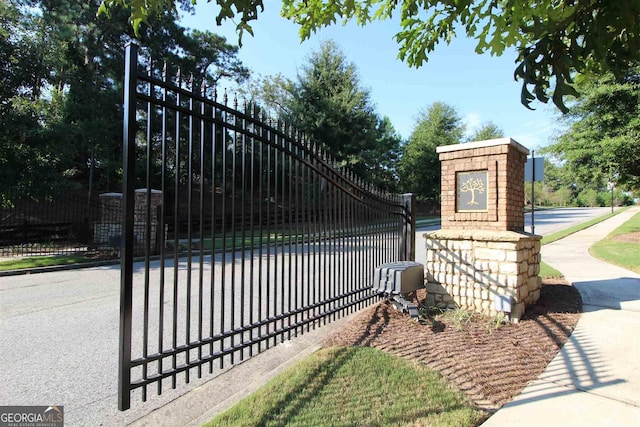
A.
pixel 107 232
pixel 481 259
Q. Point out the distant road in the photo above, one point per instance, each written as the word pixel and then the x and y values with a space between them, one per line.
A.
pixel 546 222
pixel 552 220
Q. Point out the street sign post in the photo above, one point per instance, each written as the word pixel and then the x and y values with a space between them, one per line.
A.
pixel 533 171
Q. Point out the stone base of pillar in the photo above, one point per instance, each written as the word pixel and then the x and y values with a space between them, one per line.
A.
pixel 483 271
pixel 107 235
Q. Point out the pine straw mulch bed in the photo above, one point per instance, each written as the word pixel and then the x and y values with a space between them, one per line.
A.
pixel 491 366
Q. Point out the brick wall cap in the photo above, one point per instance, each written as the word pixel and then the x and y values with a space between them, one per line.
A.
pixel 481 235
pixel 482 144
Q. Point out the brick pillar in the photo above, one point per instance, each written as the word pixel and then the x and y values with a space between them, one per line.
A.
pixel 499 164
pixel 481 259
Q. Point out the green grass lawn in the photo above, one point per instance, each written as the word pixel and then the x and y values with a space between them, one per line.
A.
pixel 578 227
pixel 427 218
pixel 348 386
pixel 42 261
pixel 624 254
pixel 548 272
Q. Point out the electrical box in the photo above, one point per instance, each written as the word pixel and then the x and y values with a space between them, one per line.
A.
pixel 398 277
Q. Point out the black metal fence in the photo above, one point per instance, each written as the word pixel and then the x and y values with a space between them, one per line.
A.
pixel 276 239
pixel 66 223
pixel 59 223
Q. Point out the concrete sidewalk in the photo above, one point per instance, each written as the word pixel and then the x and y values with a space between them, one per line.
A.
pixel 595 379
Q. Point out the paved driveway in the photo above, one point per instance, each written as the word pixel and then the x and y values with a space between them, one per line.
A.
pixel 59 338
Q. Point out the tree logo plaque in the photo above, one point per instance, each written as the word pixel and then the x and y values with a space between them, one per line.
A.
pixel 472 191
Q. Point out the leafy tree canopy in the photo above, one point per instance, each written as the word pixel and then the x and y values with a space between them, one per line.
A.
pixel 602 142
pixel 488 130
pixel 327 102
pixel 555 39
pixel 419 167
pixel 61 88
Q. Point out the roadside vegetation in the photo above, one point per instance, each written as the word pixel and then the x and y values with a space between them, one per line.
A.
pixel 42 261
pixel 373 388
pixel 579 227
pixel 208 245
pixel 548 272
pixel 622 246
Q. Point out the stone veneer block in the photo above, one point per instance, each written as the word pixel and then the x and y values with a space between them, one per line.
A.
pixel 468 269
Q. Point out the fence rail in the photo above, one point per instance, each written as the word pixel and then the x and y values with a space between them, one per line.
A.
pixel 277 239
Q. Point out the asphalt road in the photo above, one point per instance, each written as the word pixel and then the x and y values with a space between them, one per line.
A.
pixel 59 338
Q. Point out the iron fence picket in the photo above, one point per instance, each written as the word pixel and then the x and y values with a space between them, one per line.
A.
pixel 292 240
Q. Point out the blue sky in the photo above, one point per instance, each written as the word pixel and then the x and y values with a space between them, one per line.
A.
pixel 480 87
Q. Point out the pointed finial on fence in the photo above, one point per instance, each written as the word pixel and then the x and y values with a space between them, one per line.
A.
pixel 203 88
pixel 225 98
pixel 235 101
pixel 179 77
pixel 215 92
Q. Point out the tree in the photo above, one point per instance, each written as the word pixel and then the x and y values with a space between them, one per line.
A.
pixel 486 131
pixel 601 143
pixel 328 104
pixel 555 39
pixel 26 157
pixel 272 93
pixel 419 168
pixel 61 94
pixel 382 159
